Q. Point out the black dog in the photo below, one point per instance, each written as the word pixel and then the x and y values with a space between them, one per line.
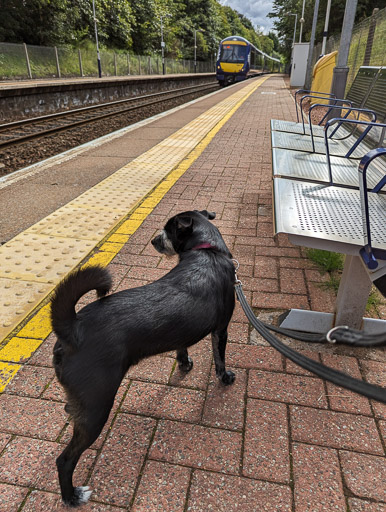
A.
pixel 97 345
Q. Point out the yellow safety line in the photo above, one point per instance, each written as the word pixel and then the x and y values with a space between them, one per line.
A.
pixel 21 346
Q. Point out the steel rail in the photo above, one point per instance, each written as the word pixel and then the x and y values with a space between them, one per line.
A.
pixel 93 109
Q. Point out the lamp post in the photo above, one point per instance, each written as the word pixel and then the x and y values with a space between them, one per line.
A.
pixel 96 39
pixel 326 27
pixel 296 19
pixel 301 23
pixel 162 42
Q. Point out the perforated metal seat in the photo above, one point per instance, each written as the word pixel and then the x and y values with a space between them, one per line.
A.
pixel 313 167
pixel 297 142
pixel 326 217
pixel 292 127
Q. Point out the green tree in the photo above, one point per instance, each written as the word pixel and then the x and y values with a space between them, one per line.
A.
pixel 284 24
pixel 133 25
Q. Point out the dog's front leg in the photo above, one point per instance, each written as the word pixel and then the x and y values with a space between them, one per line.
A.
pixel 219 342
pixel 185 363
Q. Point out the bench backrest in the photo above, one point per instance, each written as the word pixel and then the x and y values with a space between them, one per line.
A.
pixel 376 99
pixel 362 84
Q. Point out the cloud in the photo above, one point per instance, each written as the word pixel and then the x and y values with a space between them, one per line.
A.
pixel 255 10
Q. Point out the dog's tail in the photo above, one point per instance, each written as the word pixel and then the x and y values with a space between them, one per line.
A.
pixel 67 294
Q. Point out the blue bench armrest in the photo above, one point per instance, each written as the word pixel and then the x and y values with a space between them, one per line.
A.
pixel 340 120
pixel 329 107
pixel 306 91
pixel 368 254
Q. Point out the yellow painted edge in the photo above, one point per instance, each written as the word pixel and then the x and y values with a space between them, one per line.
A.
pixel 18 349
pixel 7 373
pixel 39 327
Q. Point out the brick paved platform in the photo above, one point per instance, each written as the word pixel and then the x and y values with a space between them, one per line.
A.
pixel 279 439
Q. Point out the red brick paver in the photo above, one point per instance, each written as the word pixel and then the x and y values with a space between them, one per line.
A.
pixel 278 440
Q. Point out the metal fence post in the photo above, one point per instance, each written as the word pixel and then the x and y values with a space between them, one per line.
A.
pixel 80 63
pixel 149 65
pixel 115 64
pixel 57 62
pixel 27 61
pixel 370 38
pixel 352 70
pixel 139 64
pixel 157 66
pixel 128 63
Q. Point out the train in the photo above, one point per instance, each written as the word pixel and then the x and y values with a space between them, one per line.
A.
pixel 238 59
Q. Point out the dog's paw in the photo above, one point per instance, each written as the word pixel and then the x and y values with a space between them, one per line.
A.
pixel 81 496
pixel 186 366
pixel 228 377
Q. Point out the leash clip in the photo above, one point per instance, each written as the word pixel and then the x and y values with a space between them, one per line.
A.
pixel 237 266
pixel 328 335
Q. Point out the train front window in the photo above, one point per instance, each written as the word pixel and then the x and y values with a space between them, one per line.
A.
pixel 233 53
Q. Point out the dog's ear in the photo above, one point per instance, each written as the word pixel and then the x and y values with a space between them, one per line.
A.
pixel 208 215
pixel 183 223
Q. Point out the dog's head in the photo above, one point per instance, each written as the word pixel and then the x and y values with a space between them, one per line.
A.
pixel 187 231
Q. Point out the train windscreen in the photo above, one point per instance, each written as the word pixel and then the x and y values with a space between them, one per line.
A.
pixel 233 53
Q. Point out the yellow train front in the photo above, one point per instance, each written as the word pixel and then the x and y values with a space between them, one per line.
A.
pixel 234 60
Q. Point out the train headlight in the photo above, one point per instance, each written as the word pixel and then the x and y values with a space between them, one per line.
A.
pixel 218 67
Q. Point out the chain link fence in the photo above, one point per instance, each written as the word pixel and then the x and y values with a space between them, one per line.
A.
pixel 367 48
pixel 20 61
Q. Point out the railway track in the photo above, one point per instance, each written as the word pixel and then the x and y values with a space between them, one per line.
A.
pixel 17 132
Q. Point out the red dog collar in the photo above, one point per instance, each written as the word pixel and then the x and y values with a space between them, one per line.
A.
pixel 205 245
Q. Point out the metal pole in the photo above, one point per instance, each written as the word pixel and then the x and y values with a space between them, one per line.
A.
pixel 326 28
pixel 57 61
pixel 128 64
pixel 307 83
pixel 296 20
pixel 301 23
pixel 27 61
pixel 195 51
pixel 162 47
pixel 96 39
pixel 340 73
pixel 115 64
pixel 80 63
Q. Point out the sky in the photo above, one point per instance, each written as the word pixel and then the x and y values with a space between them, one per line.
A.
pixel 255 10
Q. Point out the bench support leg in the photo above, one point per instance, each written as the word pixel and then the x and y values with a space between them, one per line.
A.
pixel 350 305
pixel 354 290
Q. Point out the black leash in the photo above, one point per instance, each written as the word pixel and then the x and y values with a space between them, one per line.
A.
pixel 340 335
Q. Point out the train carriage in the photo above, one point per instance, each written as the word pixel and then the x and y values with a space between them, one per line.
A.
pixel 237 59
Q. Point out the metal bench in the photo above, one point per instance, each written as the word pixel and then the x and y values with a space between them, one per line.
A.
pixel 368 88
pixel 347 145
pixel 324 168
pixel 340 219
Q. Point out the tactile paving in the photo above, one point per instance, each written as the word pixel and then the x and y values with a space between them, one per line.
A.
pixel 33 257
pixel 17 299
pixel 36 260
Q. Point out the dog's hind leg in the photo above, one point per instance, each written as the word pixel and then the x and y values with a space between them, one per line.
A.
pixel 185 363
pixel 219 342
pixel 86 431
